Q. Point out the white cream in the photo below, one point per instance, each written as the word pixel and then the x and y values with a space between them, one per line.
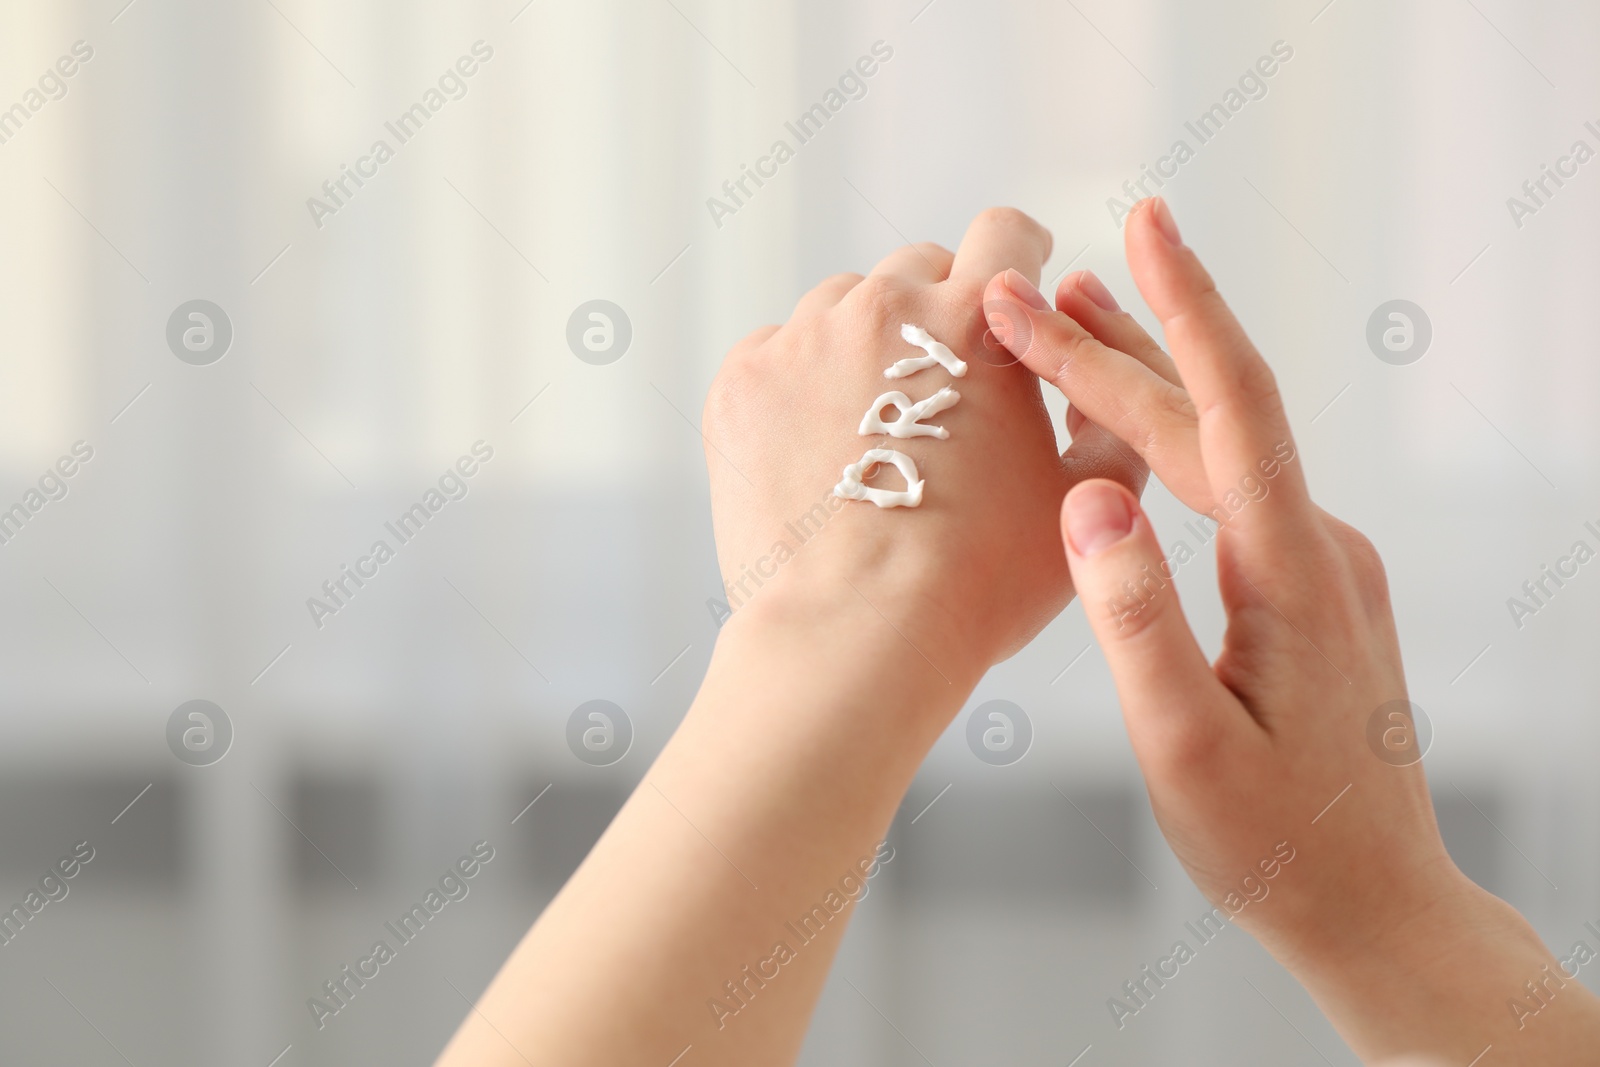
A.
pixel 907 423
pixel 938 355
pixel 851 488
pixel 909 416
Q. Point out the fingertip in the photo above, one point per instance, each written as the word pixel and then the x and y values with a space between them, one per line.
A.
pixel 1145 248
pixel 1149 237
pixel 1000 298
pixel 1085 284
pixel 1124 583
pixel 1014 284
pixel 1096 515
pixel 1161 215
pixel 1010 303
pixel 1153 215
pixel 1167 271
pixel 1070 289
pixel 1000 237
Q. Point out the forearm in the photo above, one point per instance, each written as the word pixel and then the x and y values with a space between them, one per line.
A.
pixel 1465 974
pixel 773 794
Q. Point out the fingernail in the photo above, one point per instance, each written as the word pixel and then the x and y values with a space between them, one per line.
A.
pixel 1095 289
pixel 1026 291
pixel 1097 518
pixel 1166 224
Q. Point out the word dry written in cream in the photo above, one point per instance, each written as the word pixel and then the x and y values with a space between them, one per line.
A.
pixel 907 423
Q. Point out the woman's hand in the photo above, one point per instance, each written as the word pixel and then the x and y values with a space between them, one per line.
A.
pixel 707 916
pixel 976 570
pixel 1260 767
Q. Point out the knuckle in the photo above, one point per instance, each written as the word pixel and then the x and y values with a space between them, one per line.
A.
pixel 1007 218
pixel 1259 386
pixel 753 340
pixel 1065 348
pixel 1245 402
pixel 731 394
pixel 1203 298
pixel 1204 314
pixel 1154 427
pixel 1133 610
pixel 1010 220
pixel 1195 309
pixel 1176 401
pixel 966 291
pixel 881 299
pixel 1372 578
pixel 1133 624
pixel 1142 434
pixel 1198 311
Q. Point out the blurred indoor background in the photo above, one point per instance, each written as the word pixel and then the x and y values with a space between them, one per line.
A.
pixel 376 338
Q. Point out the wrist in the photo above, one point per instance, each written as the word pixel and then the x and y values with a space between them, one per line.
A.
pixel 1442 976
pixel 892 645
pixel 829 679
pixel 806 733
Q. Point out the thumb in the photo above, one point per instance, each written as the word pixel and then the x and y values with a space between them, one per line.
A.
pixel 1167 687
